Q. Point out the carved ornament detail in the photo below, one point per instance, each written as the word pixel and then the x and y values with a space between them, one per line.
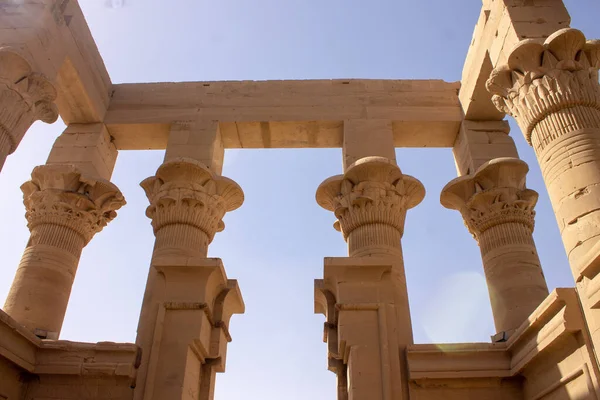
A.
pixel 60 195
pixel 543 78
pixel 372 191
pixel 494 195
pixel 185 191
pixel 25 97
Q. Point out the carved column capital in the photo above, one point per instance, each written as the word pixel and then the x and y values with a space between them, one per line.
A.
pixel 498 210
pixel 540 79
pixel 494 195
pixel 25 97
pixel 65 209
pixel 185 192
pixel 59 195
pixel 372 193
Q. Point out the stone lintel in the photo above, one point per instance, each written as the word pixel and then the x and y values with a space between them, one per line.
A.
pixel 55 36
pixel 501 25
pixel 285 114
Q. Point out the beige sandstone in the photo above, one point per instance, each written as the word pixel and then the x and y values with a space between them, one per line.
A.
pixel 540 73
pixel 498 211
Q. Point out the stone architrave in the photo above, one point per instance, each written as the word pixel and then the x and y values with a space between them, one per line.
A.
pixel 552 90
pixel 183 329
pixel 499 212
pixel 25 97
pixel 364 296
pixel 64 211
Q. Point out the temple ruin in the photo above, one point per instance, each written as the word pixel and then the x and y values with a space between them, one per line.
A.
pixel 525 62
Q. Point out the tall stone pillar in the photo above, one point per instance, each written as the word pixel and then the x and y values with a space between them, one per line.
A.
pixel 183 329
pixel 65 209
pixel 498 211
pixel 552 90
pixel 364 296
pixel 25 97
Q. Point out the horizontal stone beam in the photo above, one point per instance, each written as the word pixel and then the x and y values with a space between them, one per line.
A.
pixel 56 40
pixel 502 24
pixel 285 114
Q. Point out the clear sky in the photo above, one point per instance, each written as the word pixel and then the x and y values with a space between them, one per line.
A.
pixel 275 244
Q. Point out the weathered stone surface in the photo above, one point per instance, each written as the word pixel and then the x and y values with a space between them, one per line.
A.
pixel 552 90
pixel 498 210
pixel 64 211
pixel 25 97
pixel 549 83
pixel 183 328
pixel 370 202
pixel 188 202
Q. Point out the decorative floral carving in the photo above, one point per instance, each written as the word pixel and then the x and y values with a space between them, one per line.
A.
pixel 543 78
pixel 184 191
pixel 494 195
pixel 372 191
pixel 60 195
pixel 25 97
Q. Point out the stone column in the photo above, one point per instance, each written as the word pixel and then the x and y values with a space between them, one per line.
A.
pixel 65 209
pixel 25 97
pixel 364 296
pixel 370 202
pixel 498 211
pixel 552 90
pixel 183 329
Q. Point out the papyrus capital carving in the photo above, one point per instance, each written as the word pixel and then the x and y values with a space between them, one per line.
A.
pixel 25 97
pixel 498 210
pixel 373 193
pixel 544 78
pixel 60 195
pixel 494 195
pixel 186 192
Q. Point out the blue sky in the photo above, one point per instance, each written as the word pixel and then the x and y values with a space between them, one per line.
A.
pixel 275 244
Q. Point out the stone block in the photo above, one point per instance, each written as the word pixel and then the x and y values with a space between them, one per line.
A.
pixel 201 141
pixel 481 141
pixel 87 146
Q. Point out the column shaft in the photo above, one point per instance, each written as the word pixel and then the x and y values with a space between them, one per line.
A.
pixel 498 210
pixel 553 92
pixel 64 211
pixel 189 300
pixel 512 270
pixel 40 292
pixel 364 296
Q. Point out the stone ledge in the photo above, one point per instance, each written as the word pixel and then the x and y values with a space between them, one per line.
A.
pixel 557 318
pixel 43 364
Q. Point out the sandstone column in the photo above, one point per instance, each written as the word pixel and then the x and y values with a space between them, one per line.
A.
pixel 183 329
pixel 25 97
pixel 364 296
pixel 498 211
pixel 552 90
pixel 65 209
